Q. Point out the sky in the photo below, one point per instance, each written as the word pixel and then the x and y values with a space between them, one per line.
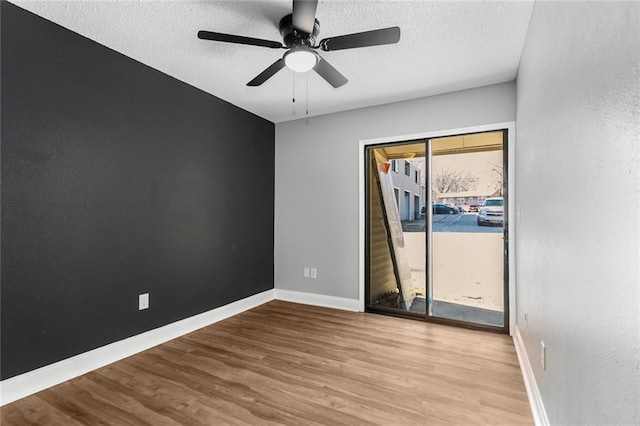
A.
pixel 479 164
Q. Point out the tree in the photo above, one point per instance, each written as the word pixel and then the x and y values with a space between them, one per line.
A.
pixel 446 181
pixel 497 174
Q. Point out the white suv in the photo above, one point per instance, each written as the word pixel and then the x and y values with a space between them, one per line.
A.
pixel 492 211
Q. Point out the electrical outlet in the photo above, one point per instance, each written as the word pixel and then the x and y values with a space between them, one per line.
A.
pixel 143 301
pixel 314 273
pixel 518 214
pixel 306 272
pixel 526 319
pixel 543 355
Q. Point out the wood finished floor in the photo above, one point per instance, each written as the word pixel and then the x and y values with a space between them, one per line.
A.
pixel 285 363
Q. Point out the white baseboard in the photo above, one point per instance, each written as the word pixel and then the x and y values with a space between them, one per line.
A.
pixel 37 380
pixel 533 393
pixel 318 300
pixel 50 375
pixel 34 381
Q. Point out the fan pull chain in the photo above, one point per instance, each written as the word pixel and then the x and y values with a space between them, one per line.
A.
pixel 293 96
pixel 307 111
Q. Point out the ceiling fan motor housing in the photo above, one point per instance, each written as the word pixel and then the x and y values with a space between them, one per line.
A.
pixel 295 38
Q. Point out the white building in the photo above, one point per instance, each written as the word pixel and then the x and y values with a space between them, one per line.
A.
pixel 465 198
pixel 408 187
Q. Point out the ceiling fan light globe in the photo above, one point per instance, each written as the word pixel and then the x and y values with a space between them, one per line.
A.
pixel 300 60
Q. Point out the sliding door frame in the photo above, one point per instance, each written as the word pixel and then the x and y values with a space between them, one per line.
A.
pixel 509 271
pixel 368 158
pixel 505 244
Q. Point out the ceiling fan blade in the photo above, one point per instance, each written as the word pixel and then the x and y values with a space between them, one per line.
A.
pixel 230 38
pixel 329 73
pixel 304 15
pixel 267 74
pixel 368 38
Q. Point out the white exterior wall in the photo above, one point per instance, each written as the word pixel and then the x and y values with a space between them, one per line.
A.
pixel 407 183
pixel 578 193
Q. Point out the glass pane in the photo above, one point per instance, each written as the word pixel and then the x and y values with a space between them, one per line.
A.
pixel 467 222
pixel 396 228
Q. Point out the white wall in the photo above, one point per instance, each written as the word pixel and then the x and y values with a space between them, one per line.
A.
pixel 316 206
pixel 578 187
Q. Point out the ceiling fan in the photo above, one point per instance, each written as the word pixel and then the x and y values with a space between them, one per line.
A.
pixel 299 31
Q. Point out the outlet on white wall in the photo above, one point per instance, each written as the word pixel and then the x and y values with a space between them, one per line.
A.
pixel 314 273
pixel 143 301
pixel 306 272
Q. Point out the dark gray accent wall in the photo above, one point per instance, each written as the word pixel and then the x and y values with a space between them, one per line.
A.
pixel 118 180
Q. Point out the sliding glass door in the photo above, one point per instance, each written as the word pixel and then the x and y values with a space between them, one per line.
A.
pixel 436 235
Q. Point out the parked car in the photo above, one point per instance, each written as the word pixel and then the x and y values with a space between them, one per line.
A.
pixel 454 207
pixel 444 209
pixel 473 208
pixel 491 212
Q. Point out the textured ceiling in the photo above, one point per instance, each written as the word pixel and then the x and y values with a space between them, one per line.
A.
pixel 445 46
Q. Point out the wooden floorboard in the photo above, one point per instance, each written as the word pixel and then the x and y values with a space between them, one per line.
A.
pixel 285 363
